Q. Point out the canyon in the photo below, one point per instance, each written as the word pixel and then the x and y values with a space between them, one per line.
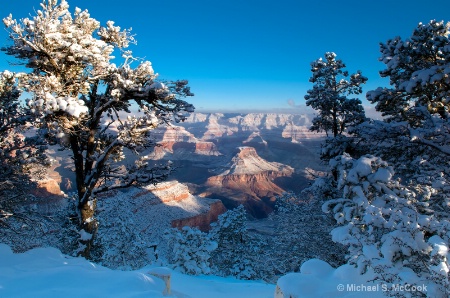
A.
pixel 154 208
pixel 221 161
pixel 244 159
pixel 248 180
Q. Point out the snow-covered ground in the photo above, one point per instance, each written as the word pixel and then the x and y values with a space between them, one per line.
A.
pixel 46 272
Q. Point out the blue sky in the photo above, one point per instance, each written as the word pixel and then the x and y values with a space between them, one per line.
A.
pixel 249 55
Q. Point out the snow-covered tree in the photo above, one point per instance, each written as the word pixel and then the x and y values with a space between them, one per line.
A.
pixel 10 139
pixel 418 71
pixel 120 244
pixel 388 227
pixel 190 250
pixel 234 246
pixel 20 157
pixel 303 230
pixel 416 106
pixel 330 96
pixel 81 98
pixel 415 135
pixel 397 223
pixel 230 226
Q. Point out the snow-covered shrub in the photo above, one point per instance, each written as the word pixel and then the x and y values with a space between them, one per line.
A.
pixel 417 68
pixel 190 250
pixel 303 230
pixel 235 247
pixel 119 244
pixel 23 227
pixel 414 133
pixel 230 226
pixel 335 146
pixel 414 138
pixel 388 227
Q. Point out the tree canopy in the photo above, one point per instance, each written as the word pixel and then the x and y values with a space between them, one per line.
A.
pixel 329 96
pixel 391 201
pixel 21 156
pixel 81 99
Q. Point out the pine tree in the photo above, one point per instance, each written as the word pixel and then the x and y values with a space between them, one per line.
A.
pixel 80 97
pixel 417 68
pixel 415 107
pixel 329 96
pixel 21 157
pixel 120 243
pixel 234 246
pixel 190 250
pixel 303 230
pixel 388 227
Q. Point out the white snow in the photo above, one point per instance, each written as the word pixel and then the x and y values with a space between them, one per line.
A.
pixel 439 246
pixel 85 235
pixel 158 86
pixel 49 104
pixel 361 168
pixel 382 175
pixel 46 272
pixel 318 279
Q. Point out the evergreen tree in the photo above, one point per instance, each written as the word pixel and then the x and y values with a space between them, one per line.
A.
pixel 388 227
pixel 329 96
pixel 21 157
pixel 190 250
pixel 418 69
pixel 396 223
pixel 413 135
pixel 120 243
pixel 303 230
pixel 234 246
pixel 80 97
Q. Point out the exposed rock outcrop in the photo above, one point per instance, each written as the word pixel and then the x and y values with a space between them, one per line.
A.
pixel 166 192
pixel 202 221
pixel 176 142
pixel 291 126
pixel 170 204
pixel 247 161
pixel 249 181
pixel 297 133
pixel 218 127
pixel 206 148
pixel 47 188
pixel 201 149
pixel 255 137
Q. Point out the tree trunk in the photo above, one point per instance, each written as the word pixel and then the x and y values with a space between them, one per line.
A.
pixel 335 121
pixel 335 125
pixel 86 207
pixel 88 226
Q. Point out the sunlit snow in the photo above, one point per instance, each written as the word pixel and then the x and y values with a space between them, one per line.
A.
pixel 46 272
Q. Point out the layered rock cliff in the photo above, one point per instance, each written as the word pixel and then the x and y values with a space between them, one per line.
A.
pixel 202 150
pixel 202 221
pixel 170 204
pixel 289 126
pixel 176 142
pixel 247 161
pixel 217 127
pixel 206 148
pixel 249 180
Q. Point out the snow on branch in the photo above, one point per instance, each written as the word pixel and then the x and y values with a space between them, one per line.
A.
pixel 83 101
